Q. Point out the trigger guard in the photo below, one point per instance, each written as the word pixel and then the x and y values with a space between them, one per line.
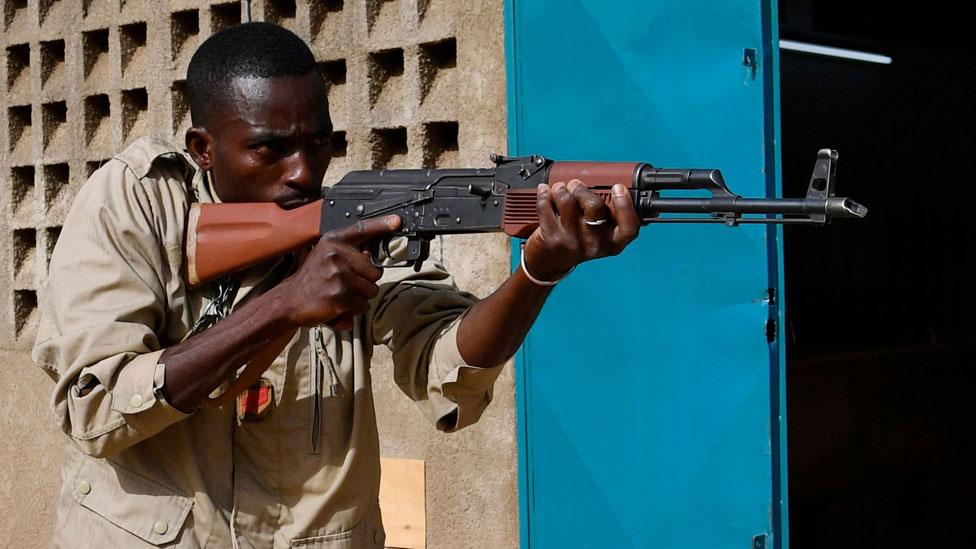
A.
pixel 380 253
pixel 376 250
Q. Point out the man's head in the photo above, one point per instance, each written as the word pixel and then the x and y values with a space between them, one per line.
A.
pixel 260 115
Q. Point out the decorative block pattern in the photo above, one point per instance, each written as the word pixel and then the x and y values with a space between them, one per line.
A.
pixel 386 79
pixel 411 83
pixel 323 13
pixel 56 179
pixel 135 116
pixel 339 145
pixel 440 144
pixel 223 16
pixel 181 107
pixel 52 65
pixel 92 166
pixel 334 74
pixel 382 14
pixel 18 70
pixel 98 113
pixel 82 79
pixel 132 43
pixel 438 61
pixel 281 12
pixel 25 311
pixel 15 16
pixel 54 118
pixel 185 34
pixel 24 248
pixel 20 131
pixel 391 68
pixel 95 54
pixel 50 12
pixel 388 148
pixel 21 183
pixel 51 235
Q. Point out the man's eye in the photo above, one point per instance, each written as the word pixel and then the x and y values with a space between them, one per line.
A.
pixel 266 148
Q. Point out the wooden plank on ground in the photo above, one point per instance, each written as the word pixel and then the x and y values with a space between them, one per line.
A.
pixel 403 492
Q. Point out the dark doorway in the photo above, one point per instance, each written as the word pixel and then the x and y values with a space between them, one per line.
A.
pixel 881 314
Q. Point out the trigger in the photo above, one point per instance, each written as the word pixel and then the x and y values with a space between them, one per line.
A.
pixel 376 251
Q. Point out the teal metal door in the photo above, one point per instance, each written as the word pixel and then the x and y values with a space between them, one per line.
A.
pixel 650 390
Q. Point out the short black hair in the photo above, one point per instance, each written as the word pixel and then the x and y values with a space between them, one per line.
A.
pixel 250 50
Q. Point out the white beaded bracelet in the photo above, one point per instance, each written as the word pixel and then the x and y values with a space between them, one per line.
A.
pixel 535 280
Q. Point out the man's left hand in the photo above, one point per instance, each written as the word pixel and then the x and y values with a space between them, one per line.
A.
pixel 575 225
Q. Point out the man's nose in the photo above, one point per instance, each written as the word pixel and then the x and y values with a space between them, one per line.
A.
pixel 300 172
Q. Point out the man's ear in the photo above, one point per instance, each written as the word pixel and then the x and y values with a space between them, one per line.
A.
pixel 199 142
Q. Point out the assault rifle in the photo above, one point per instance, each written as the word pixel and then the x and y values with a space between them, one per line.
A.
pixel 224 238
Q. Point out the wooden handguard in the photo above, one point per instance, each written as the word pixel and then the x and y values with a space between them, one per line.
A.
pixel 521 217
pixel 223 238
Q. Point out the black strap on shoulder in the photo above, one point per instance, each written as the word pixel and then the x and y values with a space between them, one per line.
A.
pixel 221 304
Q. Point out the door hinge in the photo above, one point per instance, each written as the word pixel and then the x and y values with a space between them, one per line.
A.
pixel 759 542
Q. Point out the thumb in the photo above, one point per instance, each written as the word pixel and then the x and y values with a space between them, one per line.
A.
pixel 365 230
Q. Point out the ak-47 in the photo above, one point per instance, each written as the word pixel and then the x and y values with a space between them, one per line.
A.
pixel 224 238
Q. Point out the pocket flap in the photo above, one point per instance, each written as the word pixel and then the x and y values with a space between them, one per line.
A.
pixel 130 501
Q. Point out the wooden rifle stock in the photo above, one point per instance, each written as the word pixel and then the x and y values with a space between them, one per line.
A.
pixel 225 239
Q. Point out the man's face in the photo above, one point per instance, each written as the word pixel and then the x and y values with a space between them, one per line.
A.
pixel 272 140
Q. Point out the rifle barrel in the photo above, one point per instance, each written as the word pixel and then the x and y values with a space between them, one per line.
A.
pixel 649 208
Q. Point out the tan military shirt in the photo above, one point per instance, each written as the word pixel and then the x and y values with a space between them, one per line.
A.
pixel 139 472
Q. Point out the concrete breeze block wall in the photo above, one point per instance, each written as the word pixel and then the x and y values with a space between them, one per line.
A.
pixel 412 83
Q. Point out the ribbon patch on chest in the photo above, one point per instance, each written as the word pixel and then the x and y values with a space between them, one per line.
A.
pixel 254 404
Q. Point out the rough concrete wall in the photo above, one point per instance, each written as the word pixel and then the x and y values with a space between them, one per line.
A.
pixel 30 461
pixel 412 83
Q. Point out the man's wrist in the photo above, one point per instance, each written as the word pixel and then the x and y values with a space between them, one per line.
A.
pixel 280 304
pixel 538 281
pixel 540 278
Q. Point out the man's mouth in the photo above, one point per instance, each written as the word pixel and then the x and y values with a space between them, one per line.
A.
pixel 294 201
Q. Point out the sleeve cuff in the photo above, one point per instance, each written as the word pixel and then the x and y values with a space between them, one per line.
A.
pixel 459 392
pixel 137 390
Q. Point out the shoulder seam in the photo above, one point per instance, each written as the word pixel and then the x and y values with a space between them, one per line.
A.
pixel 157 149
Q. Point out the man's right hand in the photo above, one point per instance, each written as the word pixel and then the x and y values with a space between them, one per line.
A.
pixel 337 278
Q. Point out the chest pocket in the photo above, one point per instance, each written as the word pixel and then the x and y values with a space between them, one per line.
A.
pixel 132 502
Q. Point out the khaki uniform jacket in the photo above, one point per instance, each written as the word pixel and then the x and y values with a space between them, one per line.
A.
pixel 140 473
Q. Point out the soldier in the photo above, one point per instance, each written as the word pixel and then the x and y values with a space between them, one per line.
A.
pixel 136 354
